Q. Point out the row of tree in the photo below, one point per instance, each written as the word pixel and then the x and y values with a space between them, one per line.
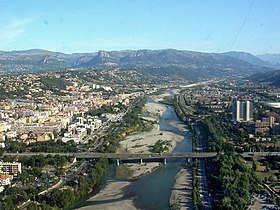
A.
pixel 231 181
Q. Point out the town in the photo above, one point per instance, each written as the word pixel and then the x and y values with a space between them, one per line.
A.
pixel 234 116
pixel 59 112
pixel 139 105
pixel 63 112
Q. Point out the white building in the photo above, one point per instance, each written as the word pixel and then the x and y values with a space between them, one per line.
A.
pixel 242 111
pixel 273 104
pixel 11 168
pixel 5 181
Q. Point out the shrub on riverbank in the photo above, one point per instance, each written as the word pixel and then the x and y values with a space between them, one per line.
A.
pixel 161 146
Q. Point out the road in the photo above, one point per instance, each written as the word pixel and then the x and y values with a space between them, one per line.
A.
pixel 128 156
pixel 184 104
pixel 207 201
pixel 124 156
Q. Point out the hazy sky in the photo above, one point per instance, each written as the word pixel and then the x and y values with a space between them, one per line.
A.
pixel 90 25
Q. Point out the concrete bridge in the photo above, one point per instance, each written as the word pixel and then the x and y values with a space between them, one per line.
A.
pixel 143 156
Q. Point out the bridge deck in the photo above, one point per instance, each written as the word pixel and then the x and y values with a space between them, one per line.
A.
pixel 127 156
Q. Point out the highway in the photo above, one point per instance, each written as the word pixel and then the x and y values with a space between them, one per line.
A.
pixel 207 201
pixel 127 156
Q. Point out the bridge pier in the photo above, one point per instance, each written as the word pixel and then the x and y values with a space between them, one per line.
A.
pixel 164 161
pixel 188 162
pixel 141 161
pixel 118 162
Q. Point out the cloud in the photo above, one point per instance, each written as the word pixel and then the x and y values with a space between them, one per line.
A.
pixel 10 32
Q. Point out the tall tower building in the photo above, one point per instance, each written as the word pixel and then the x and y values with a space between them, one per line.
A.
pixel 249 111
pixel 236 110
pixel 242 111
pixel 271 121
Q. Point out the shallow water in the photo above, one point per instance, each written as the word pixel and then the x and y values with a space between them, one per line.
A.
pixel 153 191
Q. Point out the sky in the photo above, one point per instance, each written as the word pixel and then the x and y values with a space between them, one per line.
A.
pixel 90 25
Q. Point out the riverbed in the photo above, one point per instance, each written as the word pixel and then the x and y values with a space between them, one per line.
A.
pixel 152 191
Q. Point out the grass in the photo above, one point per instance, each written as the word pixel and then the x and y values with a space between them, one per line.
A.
pixel 138 145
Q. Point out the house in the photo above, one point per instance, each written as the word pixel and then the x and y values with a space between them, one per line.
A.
pixel 10 168
pixel 45 136
pixel 5 181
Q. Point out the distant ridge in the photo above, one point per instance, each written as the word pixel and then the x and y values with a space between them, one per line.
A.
pixel 272 78
pixel 166 62
pixel 248 57
pixel 272 58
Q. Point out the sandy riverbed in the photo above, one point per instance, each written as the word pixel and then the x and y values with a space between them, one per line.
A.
pixel 181 195
pixel 143 142
pixel 113 194
pixel 138 143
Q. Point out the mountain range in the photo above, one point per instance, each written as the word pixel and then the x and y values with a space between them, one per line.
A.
pixel 272 78
pixel 248 57
pixel 271 58
pixel 168 62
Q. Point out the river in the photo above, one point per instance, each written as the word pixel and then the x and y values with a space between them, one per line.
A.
pixel 153 191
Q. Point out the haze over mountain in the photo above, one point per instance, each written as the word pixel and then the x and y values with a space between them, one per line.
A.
pixel 168 62
pixel 248 57
pixel 272 58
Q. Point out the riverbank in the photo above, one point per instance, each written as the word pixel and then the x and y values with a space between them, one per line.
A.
pixel 144 142
pixel 181 194
pixel 115 196
pixel 111 198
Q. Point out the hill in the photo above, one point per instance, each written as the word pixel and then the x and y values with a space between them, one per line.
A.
pixel 272 58
pixel 272 78
pixel 254 60
pixel 169 62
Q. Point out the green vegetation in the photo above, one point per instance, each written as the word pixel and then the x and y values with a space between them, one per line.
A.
pixel 4 94
pixel 53 146
pixel 176 205
pixel 232 182
pixel 123 171
pixel 105 109
pixel 13 196
pixel 138 145
pixel 60 198
pixel 180 110
pixel 54 83
pixel 32 180
pixel 15 146
pixel 169 100
pixel 213 134
pixel 161 146
pixel 197 202
pixel 77 188
pixel 132 122
pixel 41 161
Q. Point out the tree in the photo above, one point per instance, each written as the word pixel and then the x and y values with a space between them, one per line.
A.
pixel 1 152
pixel 255 165
pixel 225 204
pixel 33 206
